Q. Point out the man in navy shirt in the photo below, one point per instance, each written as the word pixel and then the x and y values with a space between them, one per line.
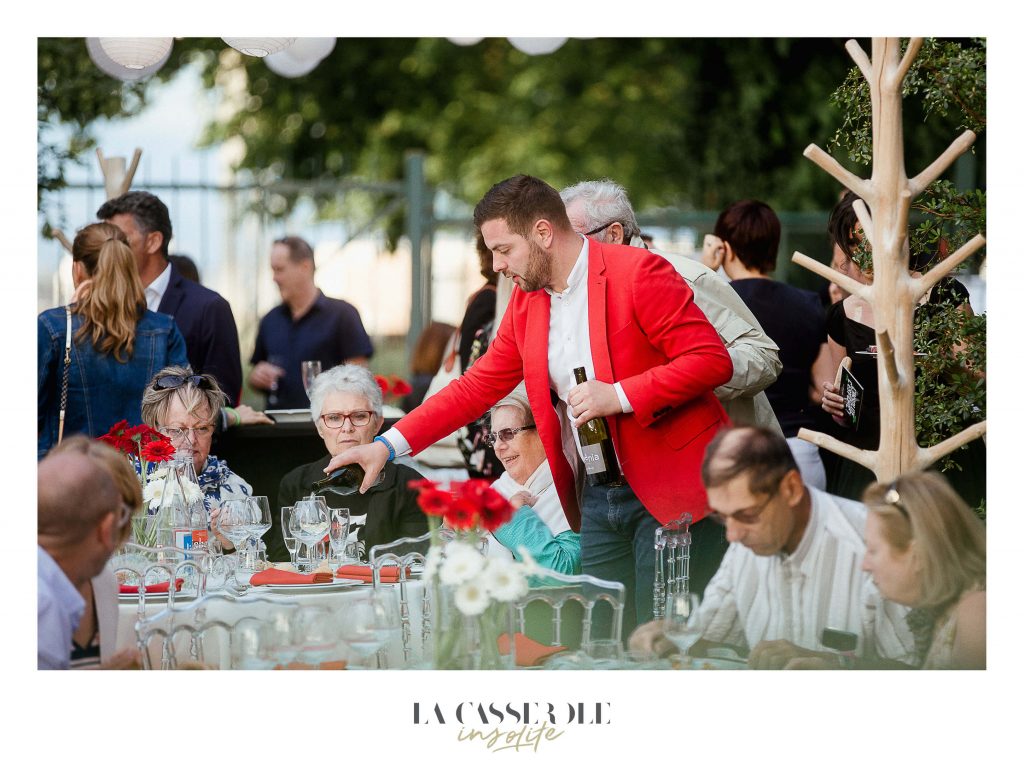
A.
pixel 307 326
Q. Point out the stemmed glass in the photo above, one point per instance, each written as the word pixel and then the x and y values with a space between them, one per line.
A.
pixel 261 522
pixel 310 522
pixel 310 369
pixel 317 635
pixel 364 630
pixel 234 520
pixel 340 522
pixel 290 542
pixel 681 626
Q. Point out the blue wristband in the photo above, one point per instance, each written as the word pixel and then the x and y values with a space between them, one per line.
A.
pixel 389 446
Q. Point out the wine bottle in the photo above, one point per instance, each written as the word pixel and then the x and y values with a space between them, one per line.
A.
pixel 344 480
pixel 598 453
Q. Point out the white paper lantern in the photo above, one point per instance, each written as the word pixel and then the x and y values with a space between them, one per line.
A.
pixel 111 68
pixel 465 41
pixel 537 45
pixel 136 53
pixel 283 64
pixel 258 47
pixel 310 49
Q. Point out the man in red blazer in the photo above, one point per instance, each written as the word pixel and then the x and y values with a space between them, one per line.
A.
pixel 625 315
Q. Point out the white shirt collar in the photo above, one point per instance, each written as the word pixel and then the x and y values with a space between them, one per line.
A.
pixel 578 273
pixel 155 290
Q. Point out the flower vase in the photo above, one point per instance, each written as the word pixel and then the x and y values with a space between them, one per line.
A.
pixel 468 642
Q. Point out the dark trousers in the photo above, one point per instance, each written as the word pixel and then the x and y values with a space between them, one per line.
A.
pixel 617 544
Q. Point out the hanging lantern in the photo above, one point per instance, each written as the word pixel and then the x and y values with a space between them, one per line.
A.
pixel 258 47
pixel 136 53
pixel 284 64
pixel 310 49
pixel 537 45
pixel 111 68
pixel 465 41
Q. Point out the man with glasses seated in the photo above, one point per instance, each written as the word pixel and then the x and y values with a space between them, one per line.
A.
pixel 793 567
pixel 347 407
pixel 539 524
pixel 185 407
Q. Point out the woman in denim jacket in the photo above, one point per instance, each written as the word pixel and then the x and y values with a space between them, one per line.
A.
pixel 117 344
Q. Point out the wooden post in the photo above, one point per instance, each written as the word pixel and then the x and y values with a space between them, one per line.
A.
pixel 893 293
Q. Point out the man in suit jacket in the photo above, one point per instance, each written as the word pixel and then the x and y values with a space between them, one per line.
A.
pixel 625 315
pixel 203 316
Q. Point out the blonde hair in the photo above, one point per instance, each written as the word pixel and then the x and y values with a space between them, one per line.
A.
pixel 156 401
pixel 112 301
pixel 949 539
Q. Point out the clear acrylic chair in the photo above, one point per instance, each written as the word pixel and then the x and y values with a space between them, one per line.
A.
pixel 571 598
pixel 141 565
pixel 217 631
pixel 671 562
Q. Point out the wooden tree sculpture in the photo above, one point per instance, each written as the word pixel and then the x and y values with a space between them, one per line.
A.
pixel 116 181
pixel 894 293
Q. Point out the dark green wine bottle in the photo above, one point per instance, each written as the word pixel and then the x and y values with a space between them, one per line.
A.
pixel 344 480
pixel 598 453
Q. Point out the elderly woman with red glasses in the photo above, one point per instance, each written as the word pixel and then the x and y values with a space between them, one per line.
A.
pixel 185 407
pixel 347 407
pixel 539 524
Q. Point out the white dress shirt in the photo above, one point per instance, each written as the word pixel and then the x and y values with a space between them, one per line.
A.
pixel 155 290
pixel 60 610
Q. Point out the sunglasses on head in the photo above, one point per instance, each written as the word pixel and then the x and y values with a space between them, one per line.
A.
pixel 177 381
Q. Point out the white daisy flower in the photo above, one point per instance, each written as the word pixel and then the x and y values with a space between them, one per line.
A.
pixel 471 599
pixel 431 563
pixel 461 563
pixel 504 580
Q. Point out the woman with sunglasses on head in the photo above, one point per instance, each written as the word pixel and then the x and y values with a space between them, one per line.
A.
pixel 539 524
pixel 105 342
pixel 926 550
pixel 347 408
pixel 186 407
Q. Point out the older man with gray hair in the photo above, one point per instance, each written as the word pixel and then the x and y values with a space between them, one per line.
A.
pixel 539 524
pixel 602 210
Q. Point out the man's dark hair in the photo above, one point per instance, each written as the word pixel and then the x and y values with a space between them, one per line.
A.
pixel 521 201
pixel 762 454
pixel 486 257
pixel 842 224
pixel 752 229
pixel 298 249
pixel 148 211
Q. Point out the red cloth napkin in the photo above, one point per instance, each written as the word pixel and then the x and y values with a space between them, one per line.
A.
pixel 275 576
pixel 364 573
pixel 335 665
pixel 162 587
pixel 528 651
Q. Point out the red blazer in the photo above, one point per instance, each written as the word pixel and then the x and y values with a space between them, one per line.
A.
pixel 645 332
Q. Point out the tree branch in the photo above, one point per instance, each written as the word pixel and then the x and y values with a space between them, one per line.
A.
pixel 848 284
pixel 922 285
pixel 859 56
pixel 58 234
pixel 928 456
pixel 830 165
pixel 866 459
pixel 887 354
pixel 908 57
pixel 126 185
pixel 960 145
pixel 866 224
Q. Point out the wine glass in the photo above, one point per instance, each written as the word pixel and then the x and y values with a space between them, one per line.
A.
pixel 234 519
pixel 310 369
pixel 681 626
pixel 364 629
pixel 340 522
pixel 290 541
pixel 310 522
pixel 272 398
pixel 318 635
pixel 262 520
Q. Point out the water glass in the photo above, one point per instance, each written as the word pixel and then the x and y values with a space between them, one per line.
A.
pixel 310 369
pixel 317 634
pixel 340 522
pixel 290 541
pixel 310 523
pixel 262 521
pixel 681 626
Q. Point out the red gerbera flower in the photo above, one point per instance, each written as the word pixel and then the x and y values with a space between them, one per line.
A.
pixel 118 438
pixel 382 382
pixel 461 514
pixel 158 451
pixel 492 518
pixel 399 387
pixel 422 484
pixel 434 502
pixel 473 489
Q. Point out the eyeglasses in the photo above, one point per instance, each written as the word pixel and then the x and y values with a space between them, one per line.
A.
pixel 177 381
pixel 505 435
pixel 892 497
pixel 626 235
pixel 337 420
pixel 197 432
pixel 745 516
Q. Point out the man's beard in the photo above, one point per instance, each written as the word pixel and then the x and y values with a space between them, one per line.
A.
pixel 538 269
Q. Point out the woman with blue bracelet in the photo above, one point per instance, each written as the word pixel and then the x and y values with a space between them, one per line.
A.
pixel 347 408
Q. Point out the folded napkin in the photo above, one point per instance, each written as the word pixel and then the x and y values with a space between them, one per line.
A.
pixel 364 573
pixel 528 652
pixel 273 576
pixel 335 665
pixel 162 587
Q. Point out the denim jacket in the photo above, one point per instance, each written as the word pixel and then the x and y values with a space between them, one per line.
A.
pixel 101 390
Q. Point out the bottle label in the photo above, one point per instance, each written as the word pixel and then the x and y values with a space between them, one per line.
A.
pixel 593 459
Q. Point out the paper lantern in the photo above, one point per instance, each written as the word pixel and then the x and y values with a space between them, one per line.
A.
pixel 136 53
pixel 283 64
pixel 258 47
pixel 537 45
pixel 111 68
pixel 465 41
pixel 310 49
